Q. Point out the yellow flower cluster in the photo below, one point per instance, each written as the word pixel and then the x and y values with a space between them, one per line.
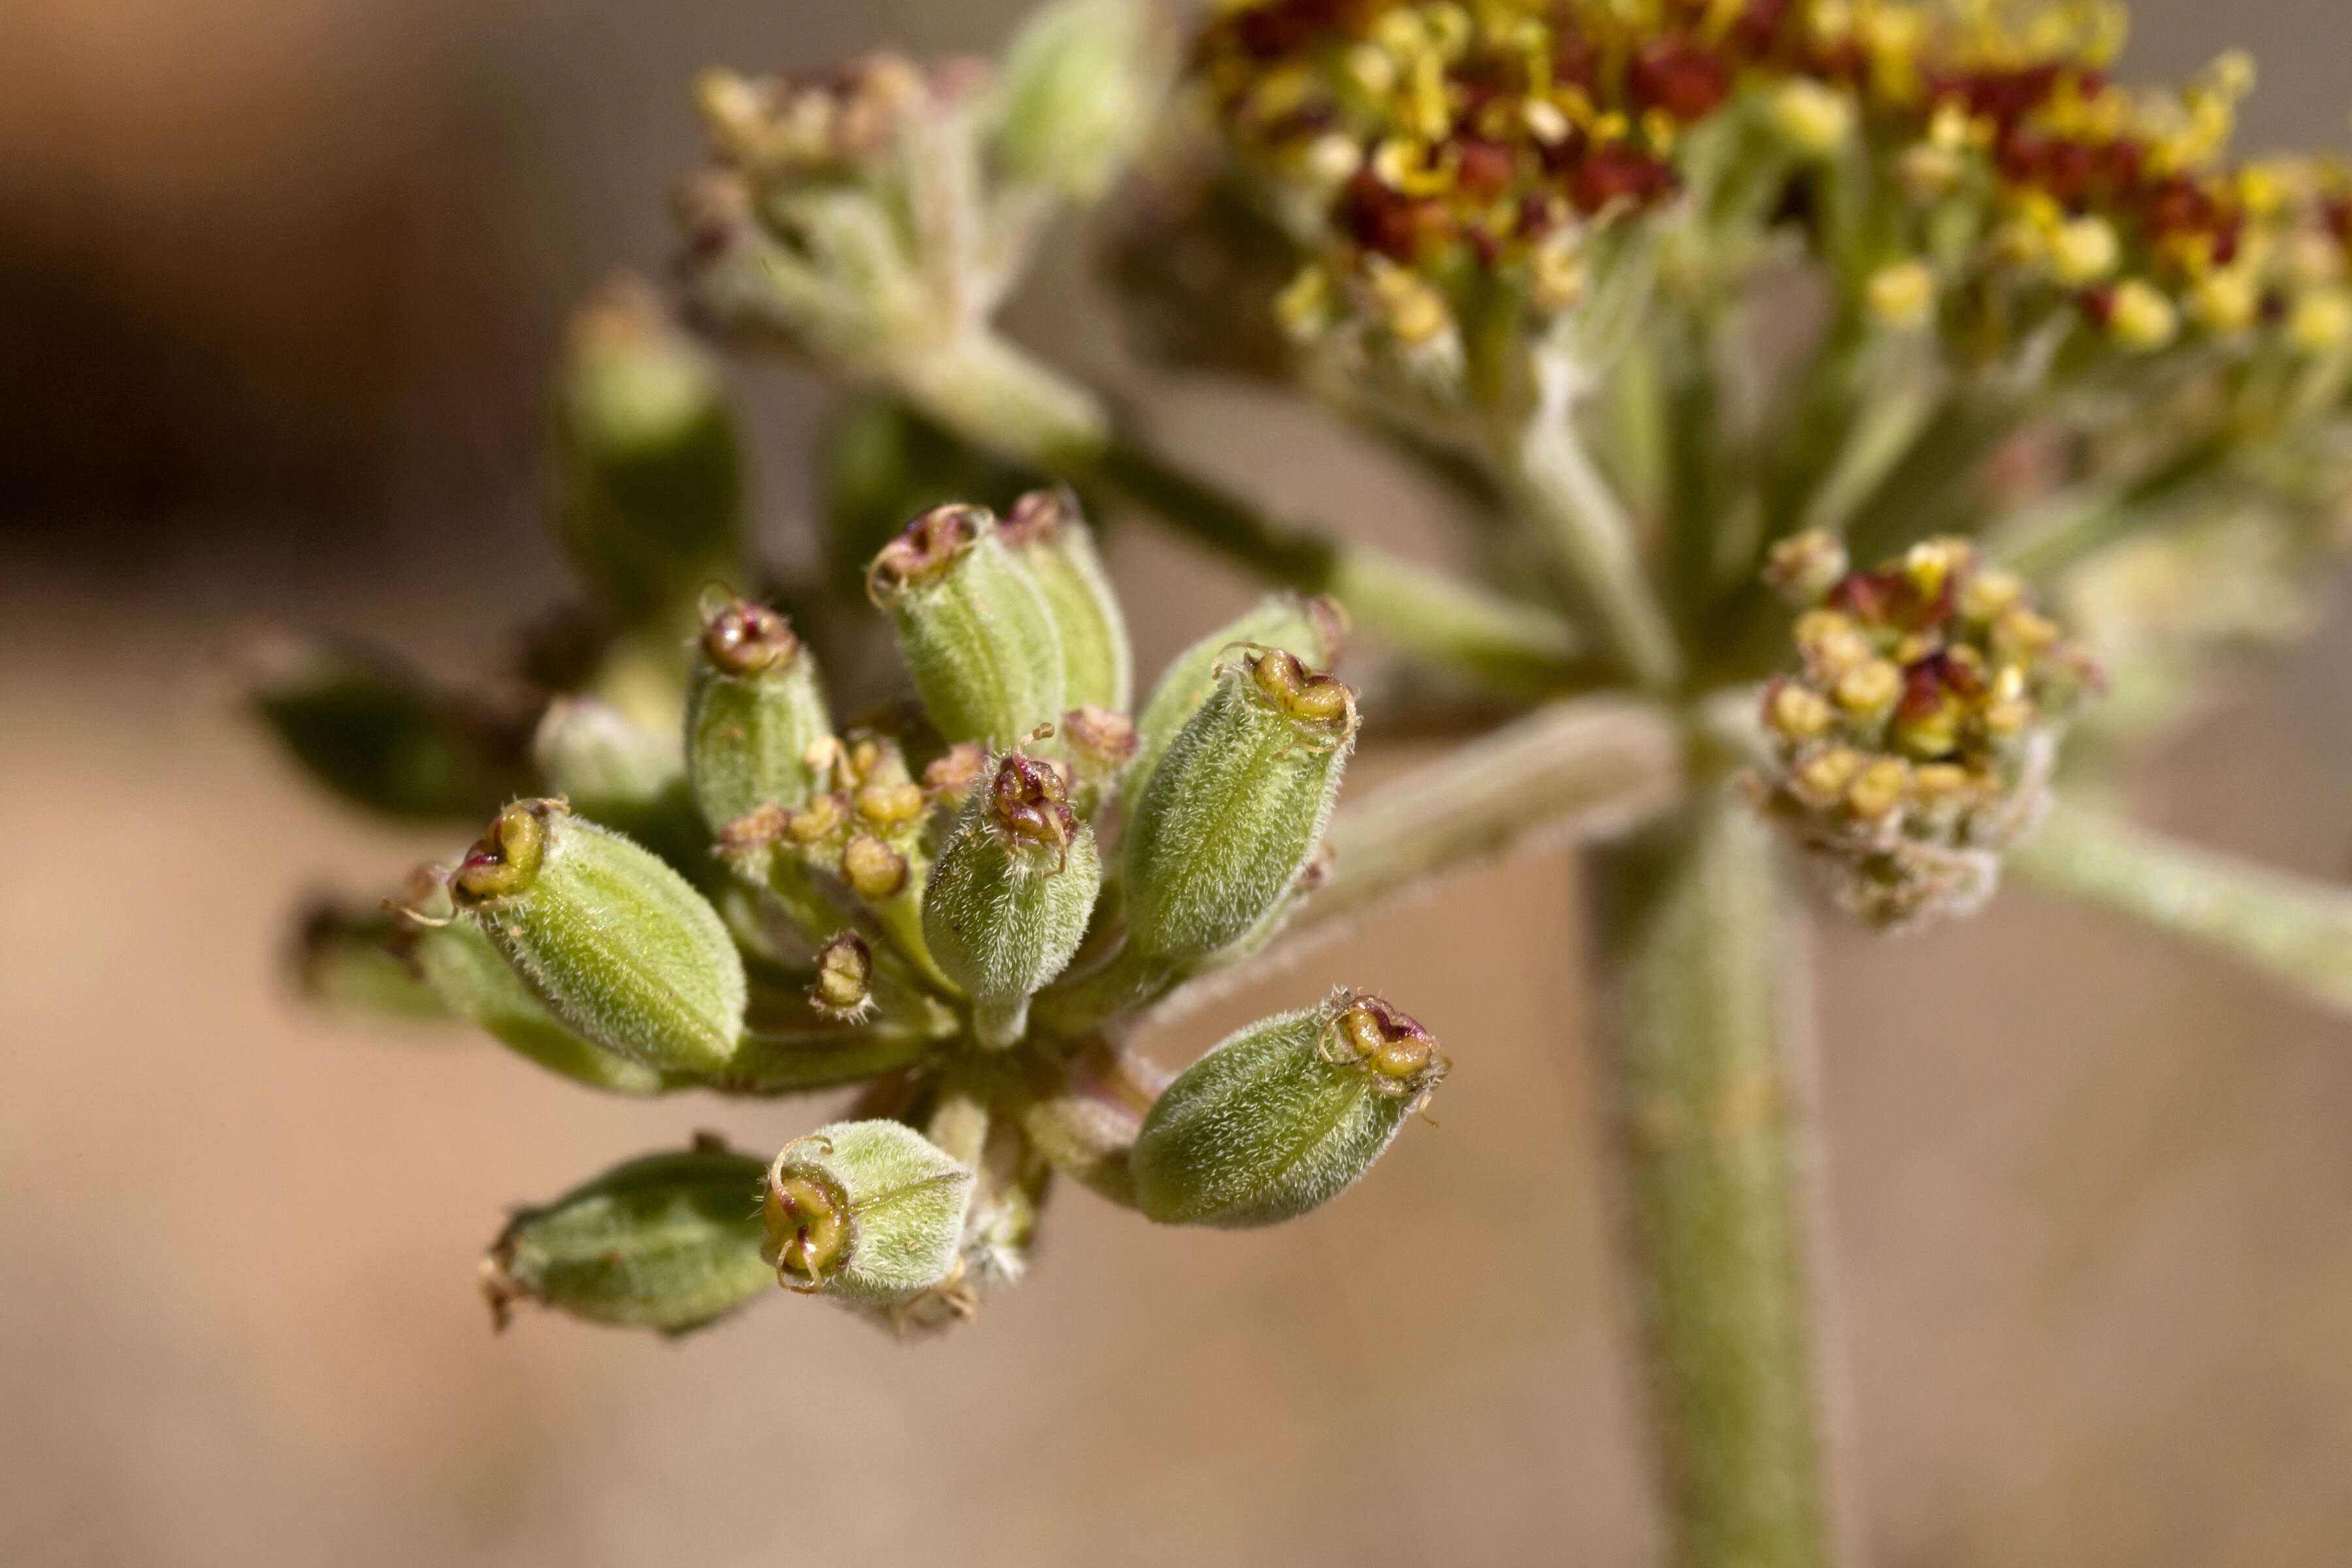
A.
pixel 1913 739
pixel 1419 151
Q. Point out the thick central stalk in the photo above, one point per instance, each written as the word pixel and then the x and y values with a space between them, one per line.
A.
pixel 1699 1051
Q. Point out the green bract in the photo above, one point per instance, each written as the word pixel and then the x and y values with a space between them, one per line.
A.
pixel 975 631
pixel 666 1241
pixel 1283 1116
pixel 614 941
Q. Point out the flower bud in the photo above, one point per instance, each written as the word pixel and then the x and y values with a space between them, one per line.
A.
pixel 650 489
pixel 868 1212
pixel 378 734
pixel 2140 317
pixel 754 710
pixel 616 943
pixel 845 978
pixel 1048 536
pixel 1080 85
pixel 1008 900
pixel 669 1242
pixel 1235 808
pixel 976 632
pixel 1901 295
pixel 1914 738
pixel 1803 567
pixel 1285 1115
pixel 1314 629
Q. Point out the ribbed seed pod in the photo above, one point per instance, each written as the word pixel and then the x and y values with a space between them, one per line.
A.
pixel 868 1212
pixel 1234 810
pixel 1314 629
pixel 473 977
pixel 755 708
pixel 1283 1116
pixel 1008 900
pixel 616 943
pixel 1046 534
pixel 974 630
pixel 666 1241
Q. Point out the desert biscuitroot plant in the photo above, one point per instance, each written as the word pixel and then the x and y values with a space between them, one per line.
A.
pixel 1801 368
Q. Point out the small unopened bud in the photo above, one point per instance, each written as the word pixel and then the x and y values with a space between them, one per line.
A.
pixel 976 632
pixel 1048 537
pixel 1901 295
pixel 614 941
pixel 651 495
pixel 1008 901
pixel 2084 250
pixel 949 776
pixel 1236 807
pixel 1313 629
pixel 1285 1115
pixel 1803 567
pixel 2140 317
pixel 874 870
pixel 844 975
pixel 2321 320
pixel 669 1242
pixel 868 1212
pixel 1815 118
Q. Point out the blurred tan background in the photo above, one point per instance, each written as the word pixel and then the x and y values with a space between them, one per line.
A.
pixel 278 279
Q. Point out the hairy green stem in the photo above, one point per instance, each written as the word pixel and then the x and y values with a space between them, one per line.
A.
pixel 993 395
pixel 2291 929
pixel 1701 1055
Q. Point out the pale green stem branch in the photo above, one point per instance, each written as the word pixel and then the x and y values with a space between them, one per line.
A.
pixel 997 397
pixel 2291 929
pixel 1552 482
pixel 1701 1051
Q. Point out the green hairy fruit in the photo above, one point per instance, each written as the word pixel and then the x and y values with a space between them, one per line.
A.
pixel 754 710
pixel 870 1213
pixel 1283 1116
pixel 1048 537
pixel 972 626
pixel 666 1241
pixel 1008 900
pixel 616 943
pixel 1313 629
pixel 468 973
pixel 1234 810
